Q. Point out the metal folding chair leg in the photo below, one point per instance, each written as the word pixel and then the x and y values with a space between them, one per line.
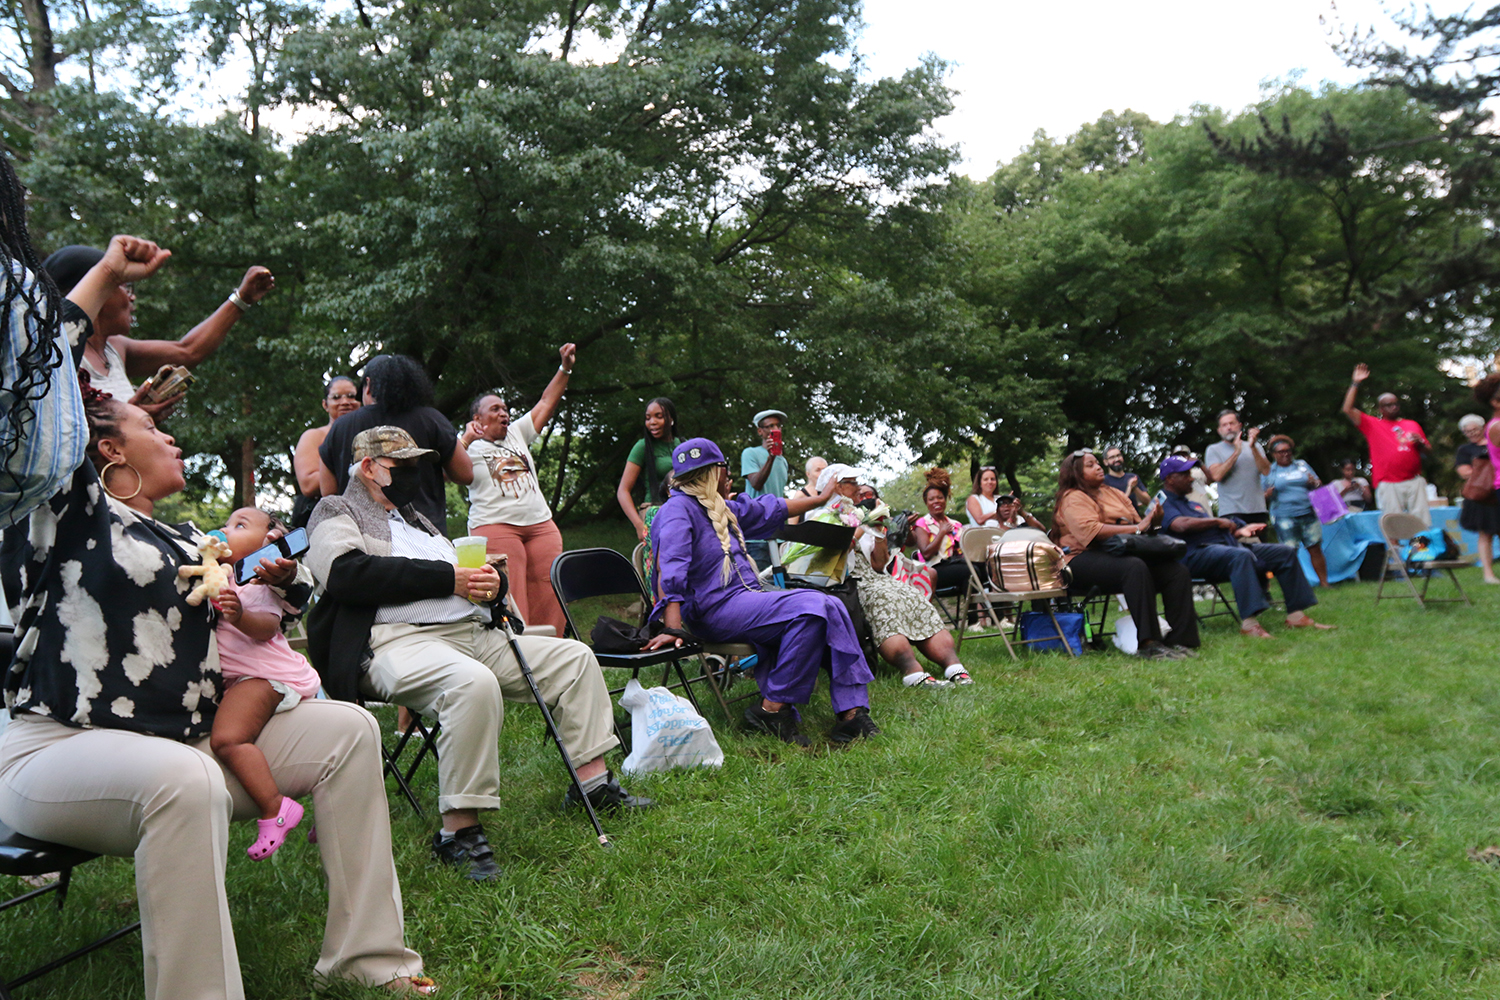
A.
pixel 394 771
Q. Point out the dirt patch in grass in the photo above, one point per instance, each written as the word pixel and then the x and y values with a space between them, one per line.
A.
pixel 607 975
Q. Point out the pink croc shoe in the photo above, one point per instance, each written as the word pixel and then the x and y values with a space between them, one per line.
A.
pixel 273 832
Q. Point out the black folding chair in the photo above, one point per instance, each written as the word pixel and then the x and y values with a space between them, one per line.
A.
pixel 392 755
pixel 23 857
pixel 592 573
pixel 1219 606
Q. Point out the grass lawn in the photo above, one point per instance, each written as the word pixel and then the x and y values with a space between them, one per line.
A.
pixel 1282 818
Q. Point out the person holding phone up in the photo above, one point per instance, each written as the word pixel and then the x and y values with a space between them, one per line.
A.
pixel 766 473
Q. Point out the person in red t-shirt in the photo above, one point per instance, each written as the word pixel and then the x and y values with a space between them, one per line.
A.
pixel 1396 450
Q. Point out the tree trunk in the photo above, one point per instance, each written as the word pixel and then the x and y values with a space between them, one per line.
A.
pixel 562 460
pixel 247 472
pixel 44 57
pixel 1010 477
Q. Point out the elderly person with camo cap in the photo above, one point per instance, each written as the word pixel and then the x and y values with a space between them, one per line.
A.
pixel 401 621
pixel 708 586
pixel 766 472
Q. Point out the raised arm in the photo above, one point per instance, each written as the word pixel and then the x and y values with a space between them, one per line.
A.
pixel 127 259
pixel 553 394
pixel 460 467
pixel 803 504
pixel 757 479
pixel 1216 473
pixel 1361 372
pixel 143 357
pixel 1262 463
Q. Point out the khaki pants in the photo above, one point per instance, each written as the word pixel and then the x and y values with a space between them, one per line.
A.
pixel 462 674
pixel 1408 496
pixel 169 804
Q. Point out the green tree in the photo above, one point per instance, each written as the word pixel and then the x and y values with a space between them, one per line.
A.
pixel 1146 275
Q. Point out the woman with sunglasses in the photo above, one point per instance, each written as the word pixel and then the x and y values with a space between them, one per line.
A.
pixel 1087 513
pixel 1013 513
pixel 113 358
pixel 1287 486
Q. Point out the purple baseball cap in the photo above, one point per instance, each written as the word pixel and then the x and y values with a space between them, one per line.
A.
pixel 695 453
pixel 1175 463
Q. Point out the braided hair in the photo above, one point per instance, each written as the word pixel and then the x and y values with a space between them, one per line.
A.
pixel 104 413
pixel 653 487
pixel 703 485
pixel 40 315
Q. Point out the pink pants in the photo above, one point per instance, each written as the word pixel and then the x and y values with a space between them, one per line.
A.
pixel 530 552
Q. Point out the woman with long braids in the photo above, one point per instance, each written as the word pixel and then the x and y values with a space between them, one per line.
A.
pixel 113 692
pixel 653 455
pixel 708 585
pixel 42 434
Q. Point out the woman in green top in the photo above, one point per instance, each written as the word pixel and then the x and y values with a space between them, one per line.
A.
pixel 653 452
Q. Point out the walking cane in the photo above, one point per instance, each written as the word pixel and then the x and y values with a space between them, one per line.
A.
pixel 515 647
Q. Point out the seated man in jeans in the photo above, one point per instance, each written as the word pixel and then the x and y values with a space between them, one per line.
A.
pixel 399 620
pixel 1214 553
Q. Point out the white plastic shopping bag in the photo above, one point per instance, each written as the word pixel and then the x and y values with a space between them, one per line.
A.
pixel 666 731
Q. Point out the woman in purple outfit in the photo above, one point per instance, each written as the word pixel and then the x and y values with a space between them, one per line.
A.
pixel 708 585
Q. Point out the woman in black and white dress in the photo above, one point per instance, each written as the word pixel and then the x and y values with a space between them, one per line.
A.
pixel 113 690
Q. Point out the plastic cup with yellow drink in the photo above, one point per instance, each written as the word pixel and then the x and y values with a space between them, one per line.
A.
pixel 471 551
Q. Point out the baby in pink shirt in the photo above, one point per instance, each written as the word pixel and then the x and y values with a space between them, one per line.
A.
pixel 263 675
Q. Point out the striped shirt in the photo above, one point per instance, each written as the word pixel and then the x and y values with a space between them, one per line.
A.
pixel 53 435
pixel 408 542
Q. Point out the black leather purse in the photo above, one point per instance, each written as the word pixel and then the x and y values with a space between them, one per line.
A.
pixel 1152 548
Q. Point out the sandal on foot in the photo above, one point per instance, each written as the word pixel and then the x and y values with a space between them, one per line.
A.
pixel 273 832
pixel 422 986
pixel 925 680
pixel 956 674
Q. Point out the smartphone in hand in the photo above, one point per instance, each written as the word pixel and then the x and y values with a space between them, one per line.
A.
pixel 293 545
pixel 775 441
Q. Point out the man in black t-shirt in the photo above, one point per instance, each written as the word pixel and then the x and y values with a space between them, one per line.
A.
pixel 397 392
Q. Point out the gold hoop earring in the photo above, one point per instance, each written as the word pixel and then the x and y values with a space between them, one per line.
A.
pixel 104 480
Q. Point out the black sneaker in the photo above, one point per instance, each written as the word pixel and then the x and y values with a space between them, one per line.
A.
pixel 1182 652
pixel 782 724
pixel 469 852
pixel 608 797
pixel 1156 651
pixel 859 727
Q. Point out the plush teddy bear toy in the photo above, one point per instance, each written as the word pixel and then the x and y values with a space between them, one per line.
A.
pixel 213 573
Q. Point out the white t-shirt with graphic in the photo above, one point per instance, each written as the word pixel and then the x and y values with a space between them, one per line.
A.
pixel 505 489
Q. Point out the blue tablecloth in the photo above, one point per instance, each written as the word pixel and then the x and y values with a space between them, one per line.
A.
pixel 1345 541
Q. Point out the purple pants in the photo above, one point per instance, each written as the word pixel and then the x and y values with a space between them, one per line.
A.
pixel 796 633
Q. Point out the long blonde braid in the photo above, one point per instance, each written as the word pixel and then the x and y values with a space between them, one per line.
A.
pixel 703 485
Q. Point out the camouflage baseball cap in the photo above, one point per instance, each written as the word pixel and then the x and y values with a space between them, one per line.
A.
pixel 387 442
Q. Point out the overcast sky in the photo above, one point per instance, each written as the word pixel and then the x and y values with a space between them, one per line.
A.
pixel 1019 67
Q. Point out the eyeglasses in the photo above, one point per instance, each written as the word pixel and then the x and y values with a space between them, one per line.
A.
pixel 1082 451
pixel 343 395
